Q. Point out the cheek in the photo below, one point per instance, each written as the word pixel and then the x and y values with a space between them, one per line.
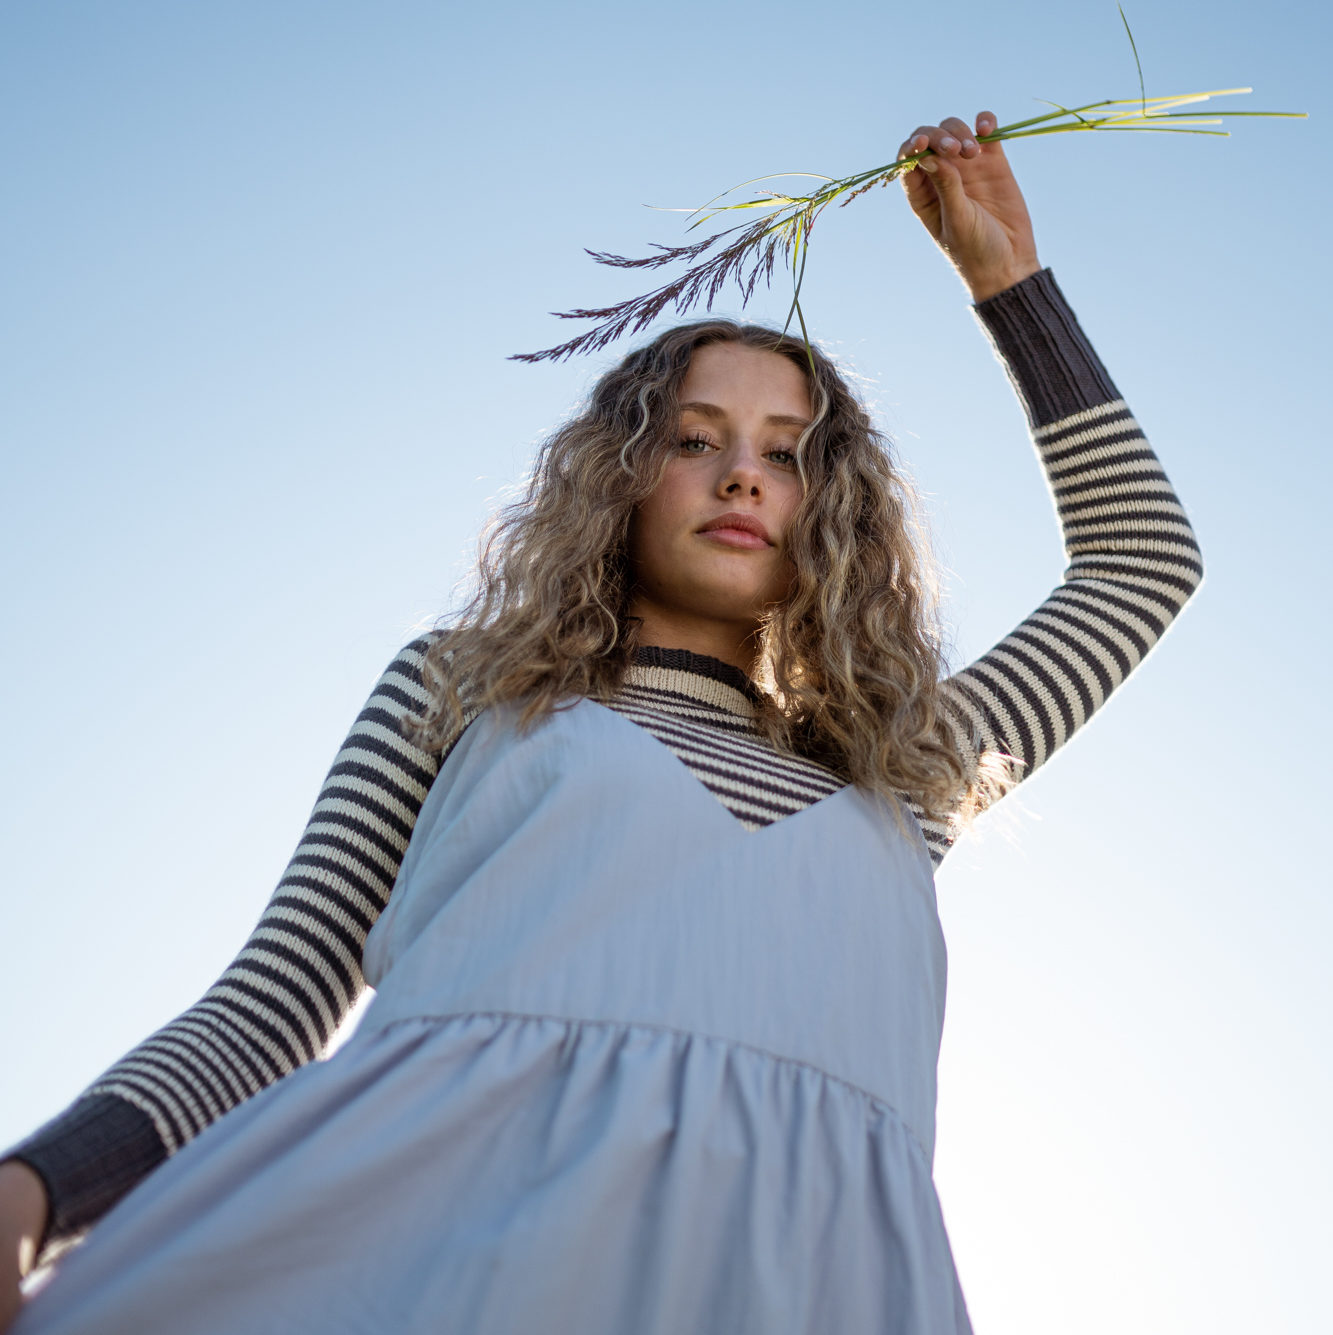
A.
pixel 642 530
pixel 791 503
pixel 655 519
pixel 784 574
pixel 646 541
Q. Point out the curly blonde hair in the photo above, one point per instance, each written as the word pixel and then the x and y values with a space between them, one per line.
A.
pixel 850 663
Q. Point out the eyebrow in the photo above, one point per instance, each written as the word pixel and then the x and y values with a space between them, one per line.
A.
pixel 773 419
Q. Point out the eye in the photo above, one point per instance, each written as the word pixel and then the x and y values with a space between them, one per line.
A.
pixel 783 458
pixel 704 445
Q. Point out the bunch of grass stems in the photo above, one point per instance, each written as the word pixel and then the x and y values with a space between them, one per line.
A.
pixel 751 251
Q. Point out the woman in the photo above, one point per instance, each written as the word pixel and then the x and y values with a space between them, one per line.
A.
pixel 660 984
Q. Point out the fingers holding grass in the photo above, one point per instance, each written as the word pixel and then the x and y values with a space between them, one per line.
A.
pixel 916 142
pixel 952 139
pixel 957 140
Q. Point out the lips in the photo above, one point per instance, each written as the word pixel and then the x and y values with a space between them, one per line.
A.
pixel 735 520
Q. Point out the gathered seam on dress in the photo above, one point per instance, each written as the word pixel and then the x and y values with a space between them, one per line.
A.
pixel 878 1100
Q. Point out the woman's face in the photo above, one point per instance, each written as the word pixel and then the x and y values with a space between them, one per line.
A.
pixel 702 583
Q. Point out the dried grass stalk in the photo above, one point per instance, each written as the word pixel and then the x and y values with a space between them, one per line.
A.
pixel 747 254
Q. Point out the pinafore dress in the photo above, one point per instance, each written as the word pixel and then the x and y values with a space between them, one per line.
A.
pixel 630 1068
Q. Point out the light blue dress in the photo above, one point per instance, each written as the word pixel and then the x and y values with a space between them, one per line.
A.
pixel 631 1068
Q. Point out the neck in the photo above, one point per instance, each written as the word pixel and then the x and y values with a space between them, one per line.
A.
pixel 736 646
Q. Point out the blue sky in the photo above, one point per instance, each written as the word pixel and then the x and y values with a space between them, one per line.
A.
pixel 263 266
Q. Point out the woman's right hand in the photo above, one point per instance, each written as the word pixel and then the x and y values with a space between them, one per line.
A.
pixel 23 1209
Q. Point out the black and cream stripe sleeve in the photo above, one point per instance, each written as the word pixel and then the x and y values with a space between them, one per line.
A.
pixel 1133 560
pixel 278 1003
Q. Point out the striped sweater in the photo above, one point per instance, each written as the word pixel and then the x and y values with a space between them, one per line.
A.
pixel 1132 563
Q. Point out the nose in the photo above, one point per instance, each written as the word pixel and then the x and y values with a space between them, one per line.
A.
pixel 741 473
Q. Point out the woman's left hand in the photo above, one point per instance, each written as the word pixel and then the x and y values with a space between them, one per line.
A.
pixel 965 194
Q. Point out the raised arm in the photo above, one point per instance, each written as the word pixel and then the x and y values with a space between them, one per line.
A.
pixel 278 1003
pixel 1132 557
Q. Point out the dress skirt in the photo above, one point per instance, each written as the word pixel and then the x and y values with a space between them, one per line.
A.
pixel 624 1073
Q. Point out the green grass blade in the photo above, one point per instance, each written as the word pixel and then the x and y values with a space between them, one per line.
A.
pixel 796 288
pixel 1064 111
pixel 1143 96
pixel 1290 115
pixel 1055 115
pixel 805 336
pixel 754 180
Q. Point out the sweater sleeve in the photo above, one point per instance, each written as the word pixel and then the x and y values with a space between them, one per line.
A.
pixel 1133 560
pixel 280 1000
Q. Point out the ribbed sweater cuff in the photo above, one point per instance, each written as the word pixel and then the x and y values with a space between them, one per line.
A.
pixel 1053 367
pixel 88 1157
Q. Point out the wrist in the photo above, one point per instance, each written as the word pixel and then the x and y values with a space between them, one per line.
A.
pixel 983 286
pixel 23 1210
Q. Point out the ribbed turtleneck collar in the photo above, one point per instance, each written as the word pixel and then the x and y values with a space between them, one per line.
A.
pixel 707 679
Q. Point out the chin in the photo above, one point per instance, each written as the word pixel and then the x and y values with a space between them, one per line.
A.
pixel 737 612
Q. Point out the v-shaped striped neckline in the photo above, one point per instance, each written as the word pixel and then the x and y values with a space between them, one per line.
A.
pixel 702 710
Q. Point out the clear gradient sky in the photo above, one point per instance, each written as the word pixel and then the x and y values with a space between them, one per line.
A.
pixel 263 264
